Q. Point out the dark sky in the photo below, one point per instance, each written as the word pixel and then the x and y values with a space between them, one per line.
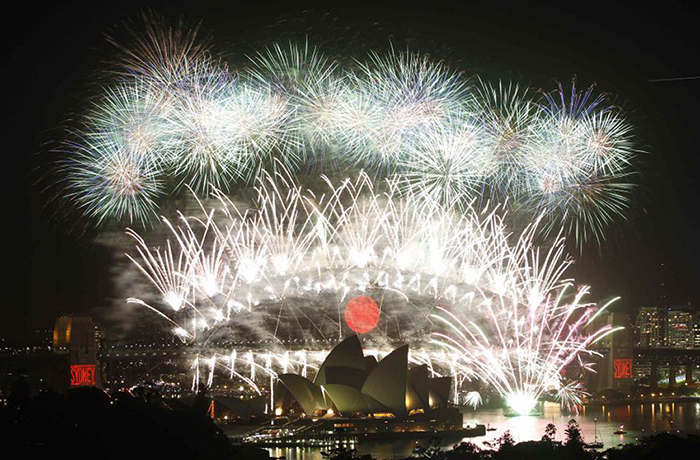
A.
pixel 53 57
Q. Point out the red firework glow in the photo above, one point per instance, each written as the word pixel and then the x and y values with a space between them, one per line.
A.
pixel 362 314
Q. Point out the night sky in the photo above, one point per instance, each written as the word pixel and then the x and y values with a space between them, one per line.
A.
pixel 53 58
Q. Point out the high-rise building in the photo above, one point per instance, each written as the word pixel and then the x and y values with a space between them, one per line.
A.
pixel 651 327
pixel 696 330
pixel 680 322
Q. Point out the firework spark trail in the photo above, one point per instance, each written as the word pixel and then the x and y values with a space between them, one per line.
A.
pixel 521 349
pixel 179 116
pixel 266 252
pixel 164 54
pixel 495 301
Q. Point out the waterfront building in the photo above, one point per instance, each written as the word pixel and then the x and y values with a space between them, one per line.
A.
pixel 351 384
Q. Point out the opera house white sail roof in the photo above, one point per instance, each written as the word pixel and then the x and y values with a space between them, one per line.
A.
pixel 349 383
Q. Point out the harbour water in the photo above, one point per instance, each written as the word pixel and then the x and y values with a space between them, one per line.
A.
pixel 640 419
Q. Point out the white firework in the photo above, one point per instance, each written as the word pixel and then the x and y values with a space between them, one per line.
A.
pixel 449 164
pixel 499 306
pixel 399 115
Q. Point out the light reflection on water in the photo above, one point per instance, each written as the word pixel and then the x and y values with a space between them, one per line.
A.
pixel 638 419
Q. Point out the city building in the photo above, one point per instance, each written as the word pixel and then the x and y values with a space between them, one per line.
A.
pixel 680 322
pixel 667 341
pixel 651 327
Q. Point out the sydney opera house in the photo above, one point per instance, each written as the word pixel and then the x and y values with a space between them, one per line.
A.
pixel 357 394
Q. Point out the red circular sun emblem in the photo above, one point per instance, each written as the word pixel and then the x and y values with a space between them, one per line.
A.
pixel 362 314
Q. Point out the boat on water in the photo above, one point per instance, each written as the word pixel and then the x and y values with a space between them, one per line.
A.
pixel 620 430
pixel 596 444
pixel 490 428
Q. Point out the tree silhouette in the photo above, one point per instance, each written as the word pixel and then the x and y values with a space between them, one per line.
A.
pixel 573 434
pixel 550 433
pixel 505 441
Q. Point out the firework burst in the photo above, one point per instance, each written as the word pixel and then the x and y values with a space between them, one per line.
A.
pixel 521 348
pixel 498 306
pixel 568 155
pixel 116 163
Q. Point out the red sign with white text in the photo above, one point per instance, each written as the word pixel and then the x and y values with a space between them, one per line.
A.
pixel 82 375
pixel 623 368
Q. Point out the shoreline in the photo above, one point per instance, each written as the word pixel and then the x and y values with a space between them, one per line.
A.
pixel 626 401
